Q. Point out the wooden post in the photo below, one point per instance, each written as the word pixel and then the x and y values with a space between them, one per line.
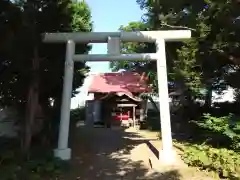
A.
pixel 141 111
pixel 134 116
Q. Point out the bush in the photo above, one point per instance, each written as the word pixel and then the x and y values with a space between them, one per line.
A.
pixel 78 114
pixel 39 164
pixel 224 108
pixel 220 150
pixel 222 161
pixel 152 121
pixel 220 131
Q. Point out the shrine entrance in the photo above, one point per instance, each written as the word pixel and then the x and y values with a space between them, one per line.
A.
pixel 113 39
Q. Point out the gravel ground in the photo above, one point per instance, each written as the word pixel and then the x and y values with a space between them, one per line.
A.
pixel 114 154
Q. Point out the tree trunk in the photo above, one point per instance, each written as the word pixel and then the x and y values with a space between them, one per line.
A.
pixel 44 134
pixel 208 97
pixel 32 103
pixel 145 102
pixel 154 104
pixel 55 119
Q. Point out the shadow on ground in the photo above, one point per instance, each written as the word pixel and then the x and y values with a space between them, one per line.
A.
pixel 105 154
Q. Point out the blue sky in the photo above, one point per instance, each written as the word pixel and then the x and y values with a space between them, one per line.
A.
pixel 108 16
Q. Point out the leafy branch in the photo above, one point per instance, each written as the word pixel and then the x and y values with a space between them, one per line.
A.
pixel 177 27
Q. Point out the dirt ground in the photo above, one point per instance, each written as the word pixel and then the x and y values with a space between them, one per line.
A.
pixel 114 154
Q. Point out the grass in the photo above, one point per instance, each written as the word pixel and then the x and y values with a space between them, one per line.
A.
pixel 225 163
pixel 38 165
pixel 210 143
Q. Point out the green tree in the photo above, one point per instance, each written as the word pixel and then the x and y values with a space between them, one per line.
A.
pixel 133 47
pixel 32 71
pixel 209 61
pixel 205 60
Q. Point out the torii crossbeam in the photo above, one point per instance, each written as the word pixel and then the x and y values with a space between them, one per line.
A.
pixel 113 39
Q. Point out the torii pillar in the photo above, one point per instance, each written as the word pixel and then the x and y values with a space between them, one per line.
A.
pixel 113 39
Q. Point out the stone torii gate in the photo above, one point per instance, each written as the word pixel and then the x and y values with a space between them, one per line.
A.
pixel 113 39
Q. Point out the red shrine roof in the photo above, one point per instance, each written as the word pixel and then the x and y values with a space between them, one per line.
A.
pixel 125 82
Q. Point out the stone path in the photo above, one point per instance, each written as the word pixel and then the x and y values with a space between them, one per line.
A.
pixel 108 154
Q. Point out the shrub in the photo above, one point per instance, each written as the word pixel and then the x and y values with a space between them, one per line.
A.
pixel 219 151
pixel 222 161
pixel 153 120
pixel 37 166
pixel 220 131
pixel 78 114
pixel 224 108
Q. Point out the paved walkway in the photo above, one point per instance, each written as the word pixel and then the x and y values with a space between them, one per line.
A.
pixel 108 154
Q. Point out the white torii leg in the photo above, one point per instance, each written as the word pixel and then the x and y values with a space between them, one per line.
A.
pixel 62 151
pixel 114 48
pixel 167 153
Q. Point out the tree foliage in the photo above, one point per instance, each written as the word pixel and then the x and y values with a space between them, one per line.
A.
pixel 133 47
pixel 31 71
pixel 209 61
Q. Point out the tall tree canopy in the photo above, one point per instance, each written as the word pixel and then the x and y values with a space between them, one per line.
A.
pixel 210 59
pixel 31 71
